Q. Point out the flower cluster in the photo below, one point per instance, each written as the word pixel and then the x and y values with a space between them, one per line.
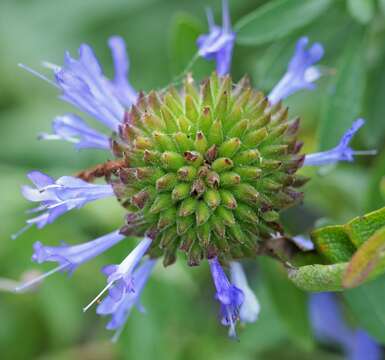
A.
pixel 202 171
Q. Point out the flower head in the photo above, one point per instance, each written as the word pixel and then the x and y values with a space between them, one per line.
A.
pixel 58 197
pixel 73 129
pixel 219 42
pixel 250 308
pixel 230 297
pixel 342 152
pixel 69 257
pixel 300 74
pixel 121 309
pixel 208 170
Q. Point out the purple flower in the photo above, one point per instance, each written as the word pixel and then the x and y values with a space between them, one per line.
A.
pixel 219 42
pixel 70 257
pixel 83 84
pixel 364 347
pixel 342 152
pixel 73 129
pixel 230 297
pixel 300 73
pixel 327 321
pixel 329 326
pixel 250 308
pixel 121 309
pixel 58 197
pixel 120 85
pixel 119 277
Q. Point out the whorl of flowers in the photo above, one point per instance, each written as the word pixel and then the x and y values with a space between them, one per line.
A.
pixel 202 169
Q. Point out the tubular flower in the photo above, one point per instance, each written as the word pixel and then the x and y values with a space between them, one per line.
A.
pixel 250 308
pixel 203 170
pixel 82 84
pixel 70 257
pixel 300 74
pixel 73 129
pixel 329 326
pixel 119 277
pixel 219 42
pixel 121 309
pixel 342 152
pixel 230 297
pixel 58 197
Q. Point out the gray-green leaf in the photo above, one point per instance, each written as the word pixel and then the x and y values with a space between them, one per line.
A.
pixel 277 19
pixel 367 304
pixel 345 95
pixel 361 10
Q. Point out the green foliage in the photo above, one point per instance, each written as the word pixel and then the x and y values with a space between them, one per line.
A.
pixel 361 10
pixel 292 307
pixel 355 252
pixel 346 93
pixel 277 19
pixel 367 305
pixel 367 262
pixel 185 30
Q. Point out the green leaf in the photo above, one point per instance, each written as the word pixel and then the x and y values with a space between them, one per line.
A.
pixel 337 245
pixel 367 305
pixel 363 227
pixel 345 94
pixel 184 33
pixel 292 308
pixel 367 262
pixel 382 6
pixel 333 243
pixel 376 190
pixel 316 278
pixel 277 19
pixel 361 10
pixel 374 129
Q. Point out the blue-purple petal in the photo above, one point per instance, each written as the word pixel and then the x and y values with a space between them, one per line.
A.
pixel 219 42
pixel 342 152
pixel 297 76
pixel 58 197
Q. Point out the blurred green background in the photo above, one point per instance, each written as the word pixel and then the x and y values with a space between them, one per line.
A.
pixel 181 320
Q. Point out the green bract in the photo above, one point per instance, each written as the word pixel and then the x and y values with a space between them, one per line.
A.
pixel 207 170
pixel 350 255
